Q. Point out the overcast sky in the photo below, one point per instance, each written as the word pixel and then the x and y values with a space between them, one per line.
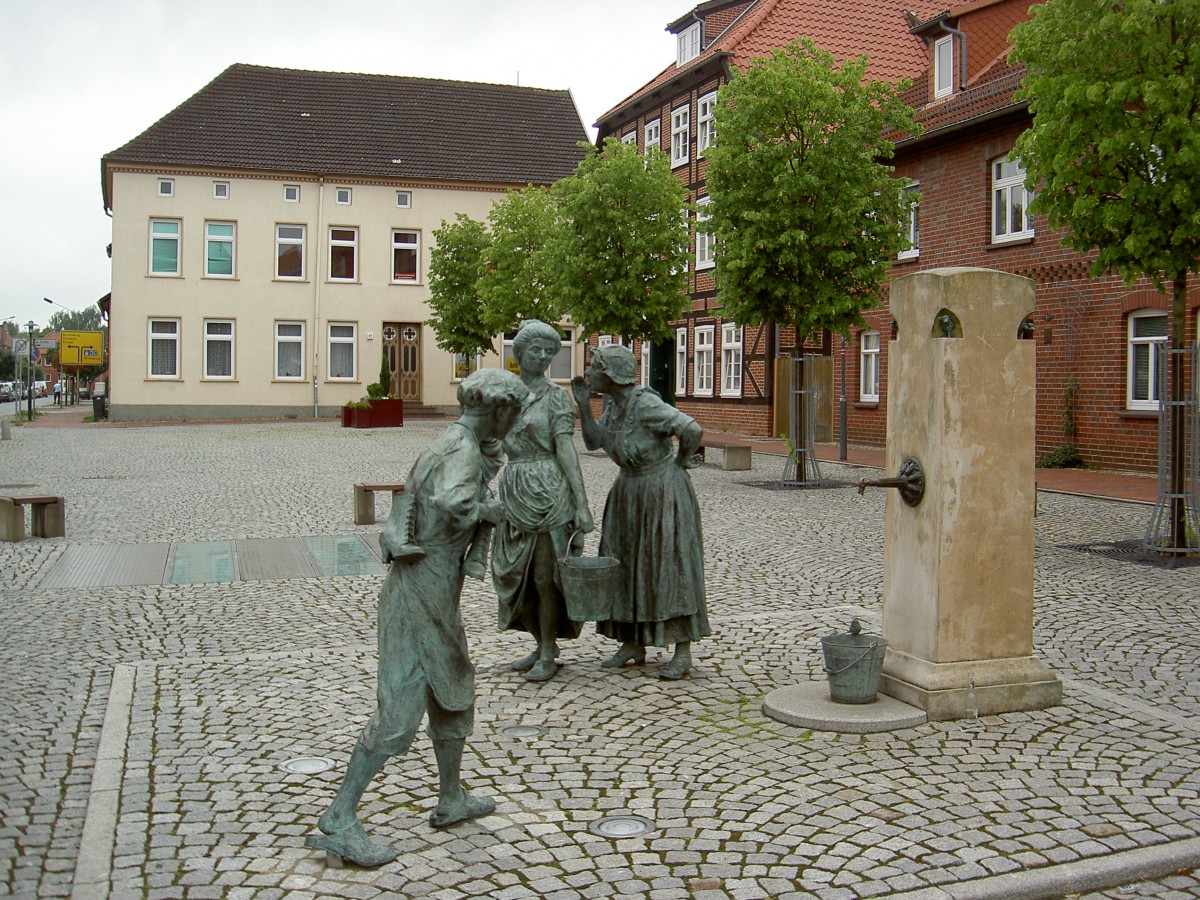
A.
pixel 79 78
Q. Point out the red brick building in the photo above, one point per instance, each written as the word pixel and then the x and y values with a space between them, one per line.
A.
pixel 1097 339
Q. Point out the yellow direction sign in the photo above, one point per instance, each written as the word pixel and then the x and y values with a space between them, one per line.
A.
pixel 82 348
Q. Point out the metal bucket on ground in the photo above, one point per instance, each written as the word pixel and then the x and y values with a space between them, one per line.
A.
pixel 854 664
pixel 590 584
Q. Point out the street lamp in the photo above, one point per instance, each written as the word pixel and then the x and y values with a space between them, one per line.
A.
pixel 29 369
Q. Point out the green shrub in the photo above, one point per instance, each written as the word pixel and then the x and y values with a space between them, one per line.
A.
pixel 1064 457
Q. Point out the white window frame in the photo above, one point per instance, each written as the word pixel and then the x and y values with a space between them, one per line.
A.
pixel 645 364
pixel 706 129
pixel 170 336
pixel 687 44
pixel 335 243
pixel 342 339
pixel 732 359
pixel 911 192
pixel 404 199
pixel 166 187
pixel 220 190
pixel 630 138
pixel 230 240
pixel 175 238
pixel 282 340
pixel 652 136
pixel 681 135
pixel 463 365
pixel 291 193
pixel 214 338
pixel 282 241
pixel 943 66
pixel 1156 345
pixel 705 257
pixel 705 337
pixel 343 196
pixel 1006 189
pixel 681 358
pixel 868 367
pixel 414 245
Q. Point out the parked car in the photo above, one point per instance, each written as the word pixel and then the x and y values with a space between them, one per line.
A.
pixel 6 391
pixel 84 392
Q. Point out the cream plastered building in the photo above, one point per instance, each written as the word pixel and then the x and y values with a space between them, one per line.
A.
pixel 272 236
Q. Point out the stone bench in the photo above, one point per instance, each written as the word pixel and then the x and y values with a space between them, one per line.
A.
pixel 364 499
pixel 47 517
pixel 735 453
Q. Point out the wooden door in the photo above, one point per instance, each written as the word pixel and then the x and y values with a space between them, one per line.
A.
pixel 402 345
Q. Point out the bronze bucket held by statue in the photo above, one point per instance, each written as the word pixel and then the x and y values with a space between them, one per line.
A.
pixel 854 664
pixel 590 584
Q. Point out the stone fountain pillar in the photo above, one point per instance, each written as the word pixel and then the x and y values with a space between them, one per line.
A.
pixel 958 567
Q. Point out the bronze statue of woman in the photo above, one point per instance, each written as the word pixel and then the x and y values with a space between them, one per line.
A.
pixel 544 504
pixel 651 519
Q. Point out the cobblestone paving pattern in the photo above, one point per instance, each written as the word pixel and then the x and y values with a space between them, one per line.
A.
pixel 232 680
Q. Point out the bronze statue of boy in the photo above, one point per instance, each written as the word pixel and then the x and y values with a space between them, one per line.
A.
pixel 424 664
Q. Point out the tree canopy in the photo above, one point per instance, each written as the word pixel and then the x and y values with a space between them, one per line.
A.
pixel 457 313
pixel 605 247
pixel 1114 88
pixel 516 283
pixel 619 254
pixel 804 207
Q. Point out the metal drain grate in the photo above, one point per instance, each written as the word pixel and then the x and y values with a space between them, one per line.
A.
pixel 1131 551
pixel 793 486
pixel 617 827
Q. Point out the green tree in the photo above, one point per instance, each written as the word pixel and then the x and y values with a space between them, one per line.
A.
pixel 1114 88
pixel 804 208
pixel 86 319
pixel 458 316
pixel 515 283
pixel 619 251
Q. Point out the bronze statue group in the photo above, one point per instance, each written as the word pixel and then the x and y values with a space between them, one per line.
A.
pixel 439 530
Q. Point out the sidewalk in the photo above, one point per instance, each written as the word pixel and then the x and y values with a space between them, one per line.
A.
pixel 1130 486
pixel 178 712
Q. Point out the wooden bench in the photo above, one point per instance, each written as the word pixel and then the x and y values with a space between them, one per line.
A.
pixel 735 453
pixel 364 499
pixel 47 517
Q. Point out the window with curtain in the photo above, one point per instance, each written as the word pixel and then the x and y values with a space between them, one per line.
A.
pixel 218 349
pixel 343 341
pixel 218 249
pixel 163 338
pixel 868 367
pixel 731 360
pixel 704 338
pixel 164 246
pixel 1147 339
pixel 289 351
pixel 1010 202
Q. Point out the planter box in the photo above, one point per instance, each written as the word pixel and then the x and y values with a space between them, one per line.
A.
pixel 356 418
pixel 386 413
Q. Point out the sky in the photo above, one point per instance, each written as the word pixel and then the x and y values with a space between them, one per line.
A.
pixel 80 78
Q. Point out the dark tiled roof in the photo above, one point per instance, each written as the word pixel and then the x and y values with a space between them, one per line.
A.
pixel 255 117
pixel 846 28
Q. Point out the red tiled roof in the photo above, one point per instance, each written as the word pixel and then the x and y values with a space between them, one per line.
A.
pixel 845 28
pixel 256 117
pixel 989 93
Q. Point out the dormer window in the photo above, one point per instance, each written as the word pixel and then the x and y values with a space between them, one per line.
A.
pixel 943 66
pixel 689 44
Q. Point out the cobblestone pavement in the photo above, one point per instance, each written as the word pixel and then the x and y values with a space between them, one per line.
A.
pixel 145 727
